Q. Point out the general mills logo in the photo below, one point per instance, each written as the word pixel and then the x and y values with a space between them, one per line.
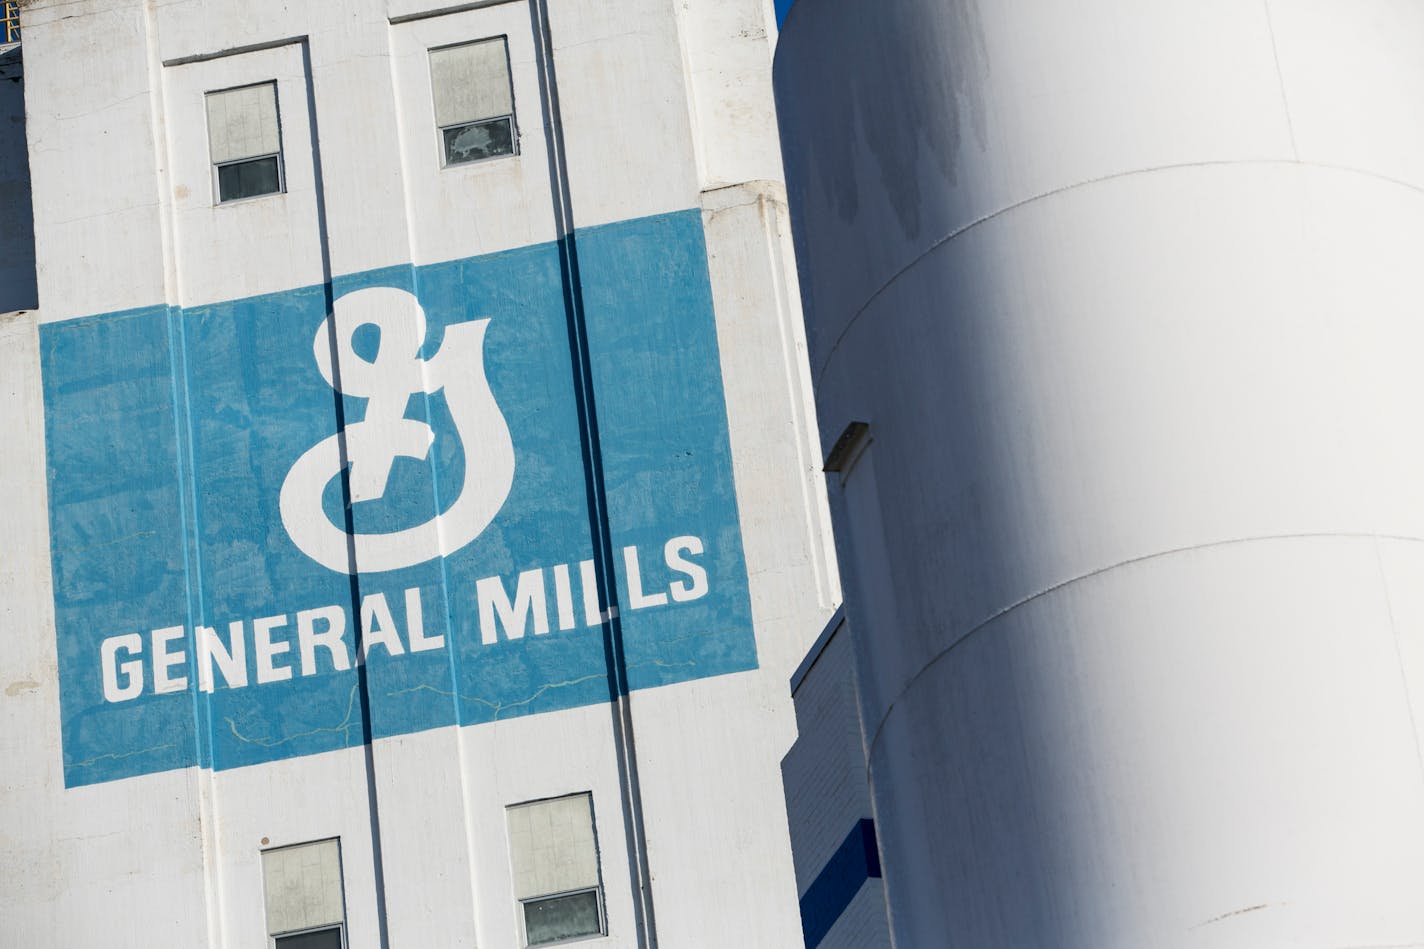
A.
pixel 371 446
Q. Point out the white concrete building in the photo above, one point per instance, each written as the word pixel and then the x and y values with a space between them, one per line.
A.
pixel 411 494
pixel 1114 312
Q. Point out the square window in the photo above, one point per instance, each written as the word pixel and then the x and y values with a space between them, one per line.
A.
pixel 306 908
pixel 554 857
pixel 245 141
pixel 474 101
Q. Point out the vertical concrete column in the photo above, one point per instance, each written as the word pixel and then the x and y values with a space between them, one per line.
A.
pixel 1129 296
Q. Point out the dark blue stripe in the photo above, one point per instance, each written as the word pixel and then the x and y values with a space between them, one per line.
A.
pixel 854 862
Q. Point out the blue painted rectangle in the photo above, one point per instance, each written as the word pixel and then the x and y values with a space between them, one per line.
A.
pixel 176 439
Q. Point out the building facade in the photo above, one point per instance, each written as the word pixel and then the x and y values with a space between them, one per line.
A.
pixel 412 491
pixel 1114 317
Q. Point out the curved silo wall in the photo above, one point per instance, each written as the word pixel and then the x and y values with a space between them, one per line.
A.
pixel 1130 297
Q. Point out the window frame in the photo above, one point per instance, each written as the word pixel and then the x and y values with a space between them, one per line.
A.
pixel 327 927
pixel 340 926
pixel 279 154
pixel 512 115
pixel 597 891
pixel 597 887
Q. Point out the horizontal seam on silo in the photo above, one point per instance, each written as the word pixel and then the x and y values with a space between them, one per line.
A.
pixel 936 245
pixel 1098 571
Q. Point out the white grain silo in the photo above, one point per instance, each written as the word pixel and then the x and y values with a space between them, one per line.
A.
pixel 1116 316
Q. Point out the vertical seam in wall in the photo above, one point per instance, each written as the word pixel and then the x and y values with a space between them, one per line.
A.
pixel 699 157
pixel 1280 78
pixel 213 875
pixel 624 746
pixel 453 654
pixel 339 409
pixel 1399 656
pixel 808 475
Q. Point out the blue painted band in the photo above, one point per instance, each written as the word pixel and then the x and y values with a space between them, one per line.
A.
pixel 826 899
pixel 783 7
pixel 206 512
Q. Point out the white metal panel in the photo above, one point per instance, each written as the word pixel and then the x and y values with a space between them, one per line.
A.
pixel 1121 388
pixel 1352 83
pixel 1402 563
pixel 1208 748
pixel 1134 323
pixel 984 106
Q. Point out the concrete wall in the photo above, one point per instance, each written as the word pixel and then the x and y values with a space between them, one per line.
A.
pixel 634 112
pixel 1128 296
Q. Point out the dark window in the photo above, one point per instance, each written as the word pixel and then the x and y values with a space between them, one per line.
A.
pixel 249 179
pixel 245 141
pixel 319 939
pixel 488 139
pixel 562 917
pixel 474 101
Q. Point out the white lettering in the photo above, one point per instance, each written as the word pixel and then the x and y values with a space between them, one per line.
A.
pixel 588 580
pixel 415 624
pixel 131 671
pixel 267 650
pixel 329 638
pixel 502 614
pixel 672 553
pixel 564 596
pixel 378 627
pixel 528 599
pixel 637 600
pixel 163 660
pixel 232 663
